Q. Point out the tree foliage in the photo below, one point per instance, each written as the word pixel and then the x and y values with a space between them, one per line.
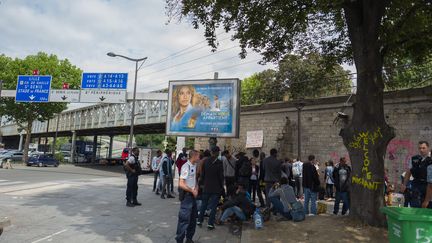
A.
pixel 296 78
pixel 368 33
pixel 157 141
pixel 406 73
pixel 23 114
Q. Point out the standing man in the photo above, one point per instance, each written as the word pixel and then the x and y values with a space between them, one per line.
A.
pixel 229 165
pixel 427 203
pixel 212 178
pixel 341 176
pixel 133 170
pixel 181 159
pixel 272 168
pixel 155 167
pixel 418 166
pixel 167 174
pixel 243 170
pixel 188 209
pixel 297 171
pixel 311 184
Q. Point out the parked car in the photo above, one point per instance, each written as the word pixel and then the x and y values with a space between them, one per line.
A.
pixel 42 160
pixel 14 156
pixel 79 158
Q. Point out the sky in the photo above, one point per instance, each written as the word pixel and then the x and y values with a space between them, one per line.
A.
pixel 83 31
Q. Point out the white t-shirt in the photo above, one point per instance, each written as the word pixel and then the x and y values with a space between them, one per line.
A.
pixel 188 173
pixel 297 169
pixel 131 160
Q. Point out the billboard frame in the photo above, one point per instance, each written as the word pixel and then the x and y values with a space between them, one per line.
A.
pixel 235 107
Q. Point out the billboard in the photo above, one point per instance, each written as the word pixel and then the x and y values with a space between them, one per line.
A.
pixel 204 108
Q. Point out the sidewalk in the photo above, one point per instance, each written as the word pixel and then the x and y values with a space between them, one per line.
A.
pixel 321 229
pixel 4 222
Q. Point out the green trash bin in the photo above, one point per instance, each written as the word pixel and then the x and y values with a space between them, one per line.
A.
pixel 409 225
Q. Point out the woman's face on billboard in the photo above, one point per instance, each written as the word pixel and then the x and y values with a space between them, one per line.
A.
pixel 185 96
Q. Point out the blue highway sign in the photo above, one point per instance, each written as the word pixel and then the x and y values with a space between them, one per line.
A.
pixel 33 88
pixel 104 81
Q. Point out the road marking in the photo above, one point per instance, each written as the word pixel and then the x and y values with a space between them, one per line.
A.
pixel 49 236
pixel 3 180
pixel 11 183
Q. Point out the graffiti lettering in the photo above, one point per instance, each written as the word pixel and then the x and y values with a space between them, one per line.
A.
pixel 362 141
pixel 366 183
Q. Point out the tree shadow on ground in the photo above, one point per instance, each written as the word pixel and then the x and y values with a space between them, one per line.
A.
pixel 323 229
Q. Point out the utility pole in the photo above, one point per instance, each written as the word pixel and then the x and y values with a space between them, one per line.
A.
pixel 299 105
pixel 213 140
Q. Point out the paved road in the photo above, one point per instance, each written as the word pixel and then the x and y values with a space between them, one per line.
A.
pixel 81 204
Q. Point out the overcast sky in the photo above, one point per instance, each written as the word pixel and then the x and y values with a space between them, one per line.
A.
pixel 83 31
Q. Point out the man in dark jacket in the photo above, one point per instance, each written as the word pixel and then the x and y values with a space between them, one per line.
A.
pixel 243 169
pixel 341 176
pixel 239 205
pixel 272 168
pixel 212 179
pixel 311 184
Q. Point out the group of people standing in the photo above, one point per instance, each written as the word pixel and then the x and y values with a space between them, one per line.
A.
pixel 231 184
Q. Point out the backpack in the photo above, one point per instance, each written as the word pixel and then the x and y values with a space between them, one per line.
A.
pixel 297 212
pixel 245 168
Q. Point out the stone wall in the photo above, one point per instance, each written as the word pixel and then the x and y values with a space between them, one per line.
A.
pixel 408 111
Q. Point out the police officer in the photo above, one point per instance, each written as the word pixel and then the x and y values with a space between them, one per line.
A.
pixel 418 167
pixel 427 203
pixel 133 170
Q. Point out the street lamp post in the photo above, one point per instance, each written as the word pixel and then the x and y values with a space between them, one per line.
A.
pixel 136 60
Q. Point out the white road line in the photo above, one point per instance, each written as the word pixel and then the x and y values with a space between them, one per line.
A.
pixel 3 180
pixel 11 183
pixel 49 236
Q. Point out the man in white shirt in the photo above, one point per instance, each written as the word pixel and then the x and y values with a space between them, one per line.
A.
pixel 155 167
pixel 297 169
pixel 187 194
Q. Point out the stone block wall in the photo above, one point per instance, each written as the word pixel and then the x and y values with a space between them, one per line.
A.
pixel 409 112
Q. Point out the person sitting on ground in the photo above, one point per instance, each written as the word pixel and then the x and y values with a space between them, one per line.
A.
pixel 239 206
pixel 282 196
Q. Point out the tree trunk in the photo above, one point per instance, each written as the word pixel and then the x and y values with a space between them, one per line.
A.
pixel 27 141
pixel 367 135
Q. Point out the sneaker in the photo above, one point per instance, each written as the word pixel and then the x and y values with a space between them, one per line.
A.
pixel 189 241
pixel 311 214
pixel 170 196
pixel 163 197
pixel 199 224
pixel 129 204
pixel 136 203
pixel 210 227
pixel 157 192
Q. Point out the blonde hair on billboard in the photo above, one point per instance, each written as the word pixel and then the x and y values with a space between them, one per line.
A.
pixel 175 98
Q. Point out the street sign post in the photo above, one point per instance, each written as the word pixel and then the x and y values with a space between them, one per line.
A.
pixel 64 95
pixel 102 96
pixel 104 81
pixel 33 88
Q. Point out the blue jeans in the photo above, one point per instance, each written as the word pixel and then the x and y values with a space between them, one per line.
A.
pixel 278 206
pixel 233 211
pixel 312 197
pixel 187 218
pixel 211 200
pixel 345 198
